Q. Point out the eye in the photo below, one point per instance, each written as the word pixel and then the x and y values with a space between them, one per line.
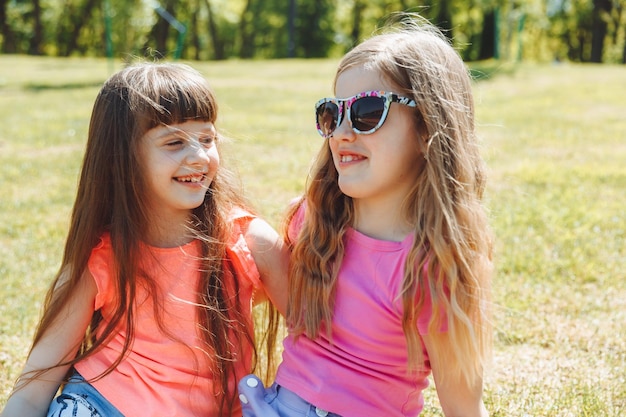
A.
pixel 207 140
pixel 175 142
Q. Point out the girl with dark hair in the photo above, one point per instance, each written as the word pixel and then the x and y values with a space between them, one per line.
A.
pixel 151 311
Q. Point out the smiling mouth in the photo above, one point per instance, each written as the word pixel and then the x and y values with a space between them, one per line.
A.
pixel 191 178
pixel 350 158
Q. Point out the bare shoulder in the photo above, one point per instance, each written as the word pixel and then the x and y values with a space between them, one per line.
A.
pixel 260 235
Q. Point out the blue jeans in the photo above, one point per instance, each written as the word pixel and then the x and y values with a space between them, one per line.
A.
pixel 80 399
pixel 275 401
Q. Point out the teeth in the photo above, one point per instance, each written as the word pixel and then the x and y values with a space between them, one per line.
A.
pixel 348 158
pixel 191 179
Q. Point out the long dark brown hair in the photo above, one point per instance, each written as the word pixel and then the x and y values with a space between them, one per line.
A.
pixel 451 256
pixel 109 199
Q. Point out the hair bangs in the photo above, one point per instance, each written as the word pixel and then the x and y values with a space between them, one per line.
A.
pixel 172 94
pixel 189 104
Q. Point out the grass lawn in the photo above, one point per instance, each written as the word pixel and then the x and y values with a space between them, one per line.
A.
pixel 554 137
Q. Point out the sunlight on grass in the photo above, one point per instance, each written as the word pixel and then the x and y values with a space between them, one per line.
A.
pixel 553 138
pixel 554 143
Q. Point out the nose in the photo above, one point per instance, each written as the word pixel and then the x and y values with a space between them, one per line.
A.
pixel 196 153
pixel 344 130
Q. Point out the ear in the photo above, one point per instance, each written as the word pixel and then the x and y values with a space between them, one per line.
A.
pixel 422 131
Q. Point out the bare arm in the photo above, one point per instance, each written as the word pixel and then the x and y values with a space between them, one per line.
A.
pixel 59 343
pixel 456 397
pixel 271 256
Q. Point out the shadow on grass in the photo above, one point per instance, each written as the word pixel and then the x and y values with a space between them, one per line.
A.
pixel 66 86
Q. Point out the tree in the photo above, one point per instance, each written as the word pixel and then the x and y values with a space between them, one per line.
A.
pixel 262 31
pixel 314 28
pixel 70 27
pixel 8 38
pixel 488 35
pixel 160 32
pixel 570 23
pixel 443 18
pixel 601 9
pixel 195 29
pixel 578 30
pixel 246 31
pixel 216 39
pixel 36 43
pixel 621 8
pixel 291 28
pixel 357 15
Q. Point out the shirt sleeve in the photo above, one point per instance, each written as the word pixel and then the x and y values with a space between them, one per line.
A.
pixel 99 265
pixel 238 251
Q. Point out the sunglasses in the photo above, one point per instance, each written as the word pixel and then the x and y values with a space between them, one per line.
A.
pixel 366 111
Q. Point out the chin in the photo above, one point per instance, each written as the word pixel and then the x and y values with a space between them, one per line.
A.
pixel 349 190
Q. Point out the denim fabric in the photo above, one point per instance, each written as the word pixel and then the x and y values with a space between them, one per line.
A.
pixel 80 399
pixel 275 401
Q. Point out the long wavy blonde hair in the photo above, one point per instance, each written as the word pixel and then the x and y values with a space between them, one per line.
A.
pixel 452 253
pixel 110 197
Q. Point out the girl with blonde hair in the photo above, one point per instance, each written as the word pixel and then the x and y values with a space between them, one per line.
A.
pixel 391 249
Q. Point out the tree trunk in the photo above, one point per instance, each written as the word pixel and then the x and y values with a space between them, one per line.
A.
pixel 216 40
pixel 444 18
pixel 599 28
pixel 246 31
pixel 488 36
pixel 35 47
pixel 624 52
pixel 291 27
pixel 8 37
pixel 195 36
pixel 357 14
pixel 160 32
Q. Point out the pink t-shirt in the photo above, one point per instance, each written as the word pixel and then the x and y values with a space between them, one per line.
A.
pixel 161 376
pixel 364 371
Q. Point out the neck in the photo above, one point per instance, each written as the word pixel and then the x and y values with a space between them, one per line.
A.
pixel 381 221
pixel 169 233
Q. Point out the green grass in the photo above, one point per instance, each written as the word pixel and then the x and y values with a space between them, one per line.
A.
pixel 555 142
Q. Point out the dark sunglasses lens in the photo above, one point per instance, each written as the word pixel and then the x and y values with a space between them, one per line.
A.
pixel 366 113
pixel 327 115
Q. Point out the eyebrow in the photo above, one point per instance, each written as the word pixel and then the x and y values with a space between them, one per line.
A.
pixel 171 130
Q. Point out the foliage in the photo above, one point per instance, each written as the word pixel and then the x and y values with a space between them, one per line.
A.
pixel 314 34
pixel 553 137
pixel 530 30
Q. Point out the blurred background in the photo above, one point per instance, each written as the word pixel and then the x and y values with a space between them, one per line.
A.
pixel 518 30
